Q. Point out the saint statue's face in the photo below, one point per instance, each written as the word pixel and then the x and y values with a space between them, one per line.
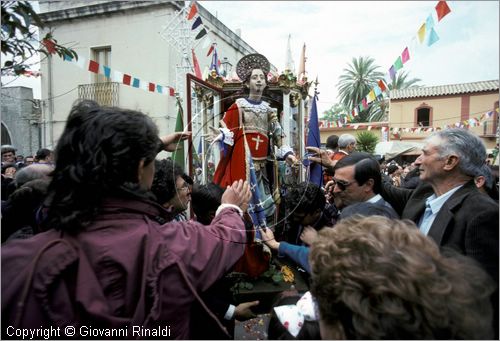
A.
pixel 257 81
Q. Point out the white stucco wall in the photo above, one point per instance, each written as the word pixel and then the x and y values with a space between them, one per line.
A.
pixel 137 48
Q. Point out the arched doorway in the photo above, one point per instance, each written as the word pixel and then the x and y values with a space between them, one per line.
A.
pixel 5 135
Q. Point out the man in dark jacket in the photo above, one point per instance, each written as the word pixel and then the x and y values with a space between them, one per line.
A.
pixel 448 207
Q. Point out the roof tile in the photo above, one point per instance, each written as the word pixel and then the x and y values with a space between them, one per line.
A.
pixel 442 90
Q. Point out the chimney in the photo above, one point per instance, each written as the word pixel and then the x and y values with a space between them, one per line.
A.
pixel 238 32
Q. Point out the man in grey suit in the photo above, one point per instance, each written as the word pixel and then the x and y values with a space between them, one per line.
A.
pixel 447 206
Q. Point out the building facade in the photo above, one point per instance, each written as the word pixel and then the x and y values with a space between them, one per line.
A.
pixel 128 36
pixel 414 113
pixel 415 110
pixel 21 120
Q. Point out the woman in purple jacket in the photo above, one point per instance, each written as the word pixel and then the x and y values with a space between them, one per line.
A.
pixel 109 266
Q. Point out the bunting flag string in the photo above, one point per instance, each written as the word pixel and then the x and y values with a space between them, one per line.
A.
pixel 426 33
pixel 119 77
pixel 471 122
pixel 193 11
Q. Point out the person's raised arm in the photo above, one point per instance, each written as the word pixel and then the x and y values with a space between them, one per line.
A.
pixel 173 141
pixel 321 156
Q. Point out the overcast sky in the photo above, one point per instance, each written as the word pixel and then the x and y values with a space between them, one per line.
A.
pixel 336 31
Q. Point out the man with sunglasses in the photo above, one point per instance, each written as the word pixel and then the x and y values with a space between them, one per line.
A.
pixel 357 179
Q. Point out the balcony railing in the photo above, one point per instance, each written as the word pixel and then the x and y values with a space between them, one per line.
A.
pixel 103 93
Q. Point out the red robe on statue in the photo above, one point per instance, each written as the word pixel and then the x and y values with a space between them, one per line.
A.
pixel 233 166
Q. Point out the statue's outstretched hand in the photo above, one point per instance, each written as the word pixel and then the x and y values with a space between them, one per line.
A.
pixel 212 134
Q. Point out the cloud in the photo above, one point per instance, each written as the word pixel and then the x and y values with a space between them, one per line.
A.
pixel 337 31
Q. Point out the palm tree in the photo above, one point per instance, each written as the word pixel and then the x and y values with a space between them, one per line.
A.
pixel 401 82
pixel 358 79
pixel 366 141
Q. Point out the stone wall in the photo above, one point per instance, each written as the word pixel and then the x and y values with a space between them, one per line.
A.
pixel 21 117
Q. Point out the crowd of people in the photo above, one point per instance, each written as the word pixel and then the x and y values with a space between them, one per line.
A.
pixel 102 235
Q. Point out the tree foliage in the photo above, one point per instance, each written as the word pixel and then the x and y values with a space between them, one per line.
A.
pixel 20 24
pixel 402 81
pixel 355 83
pixel 335 113
pixel 366 141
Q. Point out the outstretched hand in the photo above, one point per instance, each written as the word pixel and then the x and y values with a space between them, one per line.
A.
pixel 238 194
pixel 172 141
pixel 321 157
pixel 308 235
pixel 243 311
pixel 268 238
pixel 212 135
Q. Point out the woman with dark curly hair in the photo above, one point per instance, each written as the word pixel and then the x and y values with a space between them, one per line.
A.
pixel 377 278
pixel 110 266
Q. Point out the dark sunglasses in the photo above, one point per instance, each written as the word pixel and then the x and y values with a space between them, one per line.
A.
pixel 342 185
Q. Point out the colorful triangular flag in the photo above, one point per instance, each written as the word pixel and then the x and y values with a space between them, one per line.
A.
pixel 392 72
pixel 442 10
pixel 192 11
pixel 433 37
pixel 421 33
pixel 398 64
pixel 405 56
pixel 196 23
pixel 429 23
pixel 200 34
pixel 196 65
pixel 382 85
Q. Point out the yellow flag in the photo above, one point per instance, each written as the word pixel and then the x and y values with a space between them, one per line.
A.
pixel 372 95
pixel 421 33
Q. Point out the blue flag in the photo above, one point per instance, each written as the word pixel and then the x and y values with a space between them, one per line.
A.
pixel 255 207
pixel 314 140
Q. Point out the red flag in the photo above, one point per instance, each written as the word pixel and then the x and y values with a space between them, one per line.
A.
pixel 365 105
pixel 210 50
pixel 405 56
pixel 93 66
pixel 197 71
pixel 442 9
pixel 50 45
pixel 152 87
pixel 172 91
pixel 382 86
pixel 127 79
pixel 192 11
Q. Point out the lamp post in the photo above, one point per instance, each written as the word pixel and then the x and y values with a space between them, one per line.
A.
pixel 226 67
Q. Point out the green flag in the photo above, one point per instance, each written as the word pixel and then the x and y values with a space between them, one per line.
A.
pixel 178 156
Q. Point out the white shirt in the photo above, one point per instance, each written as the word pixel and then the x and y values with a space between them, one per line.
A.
pixel 433 205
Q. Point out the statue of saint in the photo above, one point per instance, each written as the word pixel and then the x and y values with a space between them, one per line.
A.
pixel 252 139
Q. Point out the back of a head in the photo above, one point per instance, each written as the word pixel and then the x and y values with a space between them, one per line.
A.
pixel 370 274
pixel 98 155
pixel 277 331
pixel 332 142
pixel 32 172
pixel 164 183
pixel 305 197
pixel 391 169
pixel 345 140
pixel 43 154
pixel 205 199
